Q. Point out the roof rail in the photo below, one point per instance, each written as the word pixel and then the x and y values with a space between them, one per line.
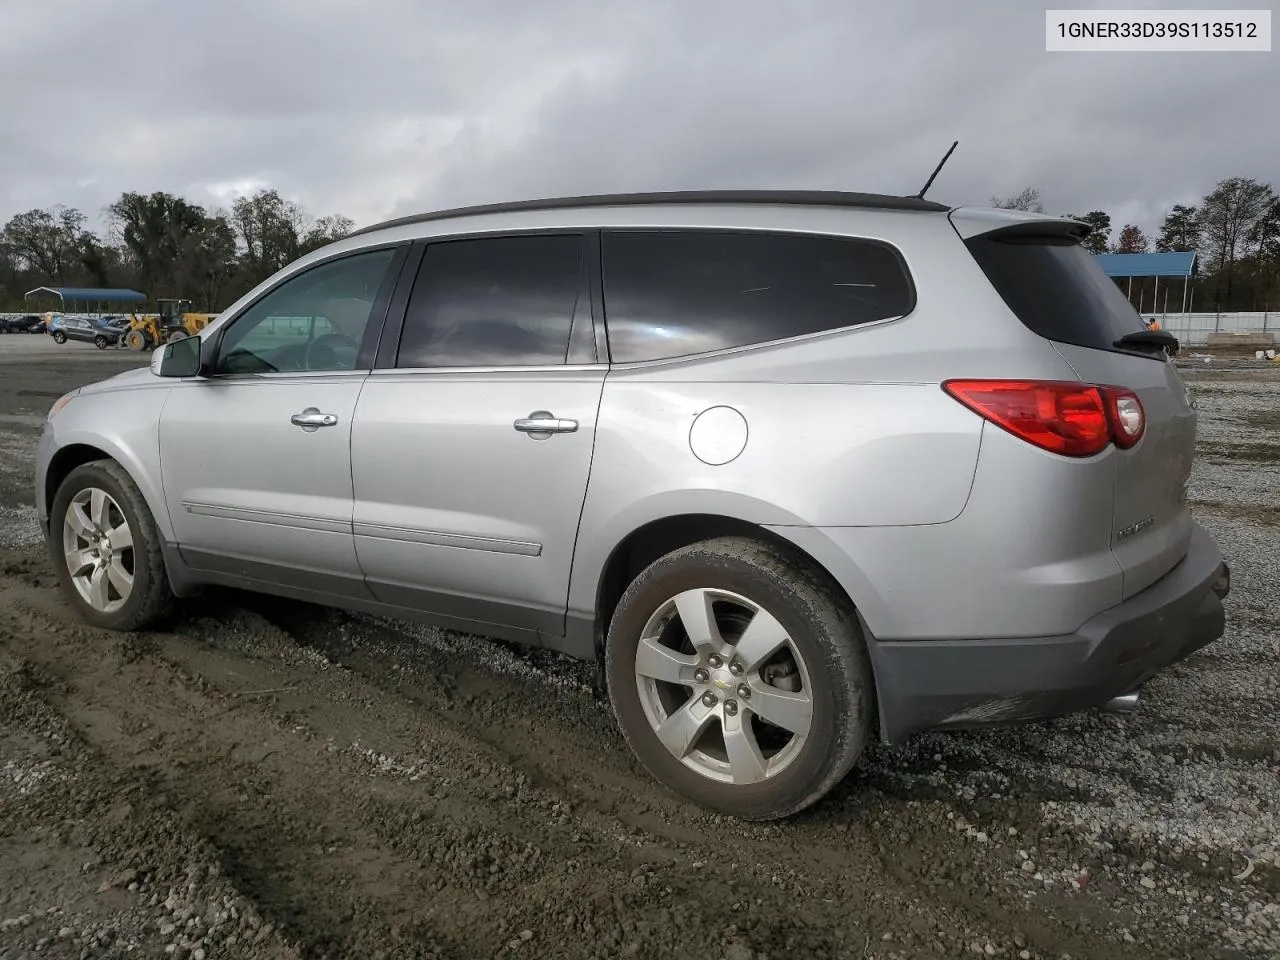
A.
pixel 822 198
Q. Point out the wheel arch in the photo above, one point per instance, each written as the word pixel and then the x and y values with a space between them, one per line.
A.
pixel 76 453
pixel 60 466
pixel 67 458
pixel 659 536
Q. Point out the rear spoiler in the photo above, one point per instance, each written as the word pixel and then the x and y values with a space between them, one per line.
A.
pixel 1015 225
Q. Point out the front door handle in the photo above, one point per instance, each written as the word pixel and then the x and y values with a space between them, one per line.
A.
pixel 540 421
pixel 312 419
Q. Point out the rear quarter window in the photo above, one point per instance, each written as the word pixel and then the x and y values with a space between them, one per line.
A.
pixel 1057 289
pixel 676 293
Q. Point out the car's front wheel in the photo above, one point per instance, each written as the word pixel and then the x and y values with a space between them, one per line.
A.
pixel 740 678
pixel 100 342
pixel 59 337
pixel 106 549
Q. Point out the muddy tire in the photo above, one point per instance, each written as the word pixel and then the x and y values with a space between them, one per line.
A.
pixel 740 678
pixel 135 340
pixel 106 549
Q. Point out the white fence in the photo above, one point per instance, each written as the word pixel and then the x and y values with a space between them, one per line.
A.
pixel 1193 329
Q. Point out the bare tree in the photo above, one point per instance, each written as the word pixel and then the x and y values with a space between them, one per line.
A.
pixel 327 230
pixel 1228 219
pixel 1028 199
pixel 270 228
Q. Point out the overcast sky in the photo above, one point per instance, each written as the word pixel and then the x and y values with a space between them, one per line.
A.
pixel 382 107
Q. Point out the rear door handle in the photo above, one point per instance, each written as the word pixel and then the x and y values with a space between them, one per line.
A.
pixel 310 419
pixel 540 421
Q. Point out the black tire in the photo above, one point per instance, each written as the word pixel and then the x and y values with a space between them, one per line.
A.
pixel 821 625
pixel 59 337
pixel 150 601
pixel 100 342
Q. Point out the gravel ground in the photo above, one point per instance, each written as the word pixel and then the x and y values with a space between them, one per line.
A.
pixel 271 779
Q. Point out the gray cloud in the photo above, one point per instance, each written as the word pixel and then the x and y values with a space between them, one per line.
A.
pixel 407 105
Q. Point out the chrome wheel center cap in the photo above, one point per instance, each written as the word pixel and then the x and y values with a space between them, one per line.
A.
pixel 722 679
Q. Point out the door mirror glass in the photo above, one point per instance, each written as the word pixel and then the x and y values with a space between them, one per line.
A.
pixel 178 358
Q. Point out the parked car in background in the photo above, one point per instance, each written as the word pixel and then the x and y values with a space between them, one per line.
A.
pixel 793 469
pixel 116 324
pixel 22 323
pixel 94 331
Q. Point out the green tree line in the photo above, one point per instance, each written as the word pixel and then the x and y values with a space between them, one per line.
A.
pixel 162 245
pixel 1234 229
pixel 166 246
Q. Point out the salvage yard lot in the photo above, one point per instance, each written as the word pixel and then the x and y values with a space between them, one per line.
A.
pixel 271 779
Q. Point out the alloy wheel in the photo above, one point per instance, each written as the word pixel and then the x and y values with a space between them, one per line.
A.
pixel 723 686
pixel 97 543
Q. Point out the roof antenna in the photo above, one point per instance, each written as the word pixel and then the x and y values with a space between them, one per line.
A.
pixel 938 169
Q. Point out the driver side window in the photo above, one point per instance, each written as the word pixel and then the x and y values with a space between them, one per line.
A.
pixel 313 321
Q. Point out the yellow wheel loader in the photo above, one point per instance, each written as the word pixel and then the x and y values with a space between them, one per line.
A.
pixel 174 322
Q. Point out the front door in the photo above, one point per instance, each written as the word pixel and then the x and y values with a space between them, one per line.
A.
pixel 256 457
pixel 471 453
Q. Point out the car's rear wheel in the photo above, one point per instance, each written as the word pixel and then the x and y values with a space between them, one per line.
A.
pixel 740 678
pixel 59 337
pixel 106 549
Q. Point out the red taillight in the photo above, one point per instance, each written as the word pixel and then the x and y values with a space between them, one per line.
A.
pixel 1073 419
pixel 1128 419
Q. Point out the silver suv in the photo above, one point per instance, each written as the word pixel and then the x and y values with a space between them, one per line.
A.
pixel 794 469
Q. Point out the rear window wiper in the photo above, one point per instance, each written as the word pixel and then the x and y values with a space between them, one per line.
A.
pixel 1159 339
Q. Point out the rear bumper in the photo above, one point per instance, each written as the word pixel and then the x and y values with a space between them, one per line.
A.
pixel 926 684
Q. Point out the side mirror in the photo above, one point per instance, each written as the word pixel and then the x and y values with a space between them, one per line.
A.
pixel 178 358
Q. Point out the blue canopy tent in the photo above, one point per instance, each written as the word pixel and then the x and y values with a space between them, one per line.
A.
pixel 1120 266
pixel 86 295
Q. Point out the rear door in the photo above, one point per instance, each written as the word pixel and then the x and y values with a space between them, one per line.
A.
pixel 1057 289
pixel 472 442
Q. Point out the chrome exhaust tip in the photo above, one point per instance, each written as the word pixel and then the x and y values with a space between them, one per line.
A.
pixel 1125 703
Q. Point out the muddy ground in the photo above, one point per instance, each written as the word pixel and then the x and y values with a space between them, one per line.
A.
pixel 272 779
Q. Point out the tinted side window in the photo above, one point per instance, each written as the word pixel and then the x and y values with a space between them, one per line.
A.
pixel 675 293
pixel 496 302
pixel 1057 289
pixel 314 320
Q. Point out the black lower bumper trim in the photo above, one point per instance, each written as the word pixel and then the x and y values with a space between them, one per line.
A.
pixel 926 684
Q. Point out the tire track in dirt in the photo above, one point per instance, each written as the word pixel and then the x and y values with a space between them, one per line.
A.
pixel 95 862
pixel 370 794
pixel 862 858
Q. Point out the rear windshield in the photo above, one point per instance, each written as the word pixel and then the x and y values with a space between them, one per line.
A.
pixel 1057 289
